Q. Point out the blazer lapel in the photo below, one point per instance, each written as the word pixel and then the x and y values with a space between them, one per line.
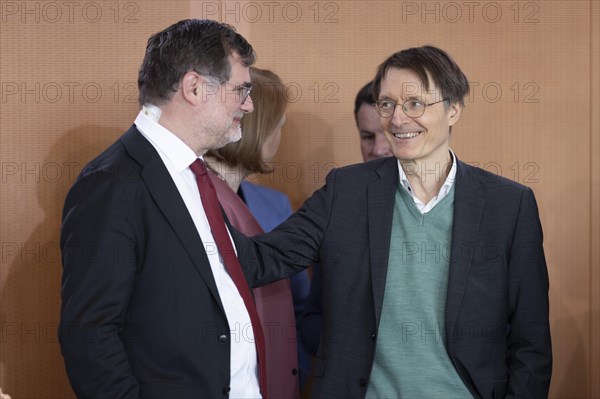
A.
pixel 165 193
pixel 380 204
pixel 468 210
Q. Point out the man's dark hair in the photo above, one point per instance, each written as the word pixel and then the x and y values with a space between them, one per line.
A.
pixel 446 74
pixel 199 45
pixel 364 96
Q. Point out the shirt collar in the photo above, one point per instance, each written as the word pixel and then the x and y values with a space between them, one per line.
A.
pixel 180 155
pixel 445 187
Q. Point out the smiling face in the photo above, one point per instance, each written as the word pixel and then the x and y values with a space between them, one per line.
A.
pixel 417 140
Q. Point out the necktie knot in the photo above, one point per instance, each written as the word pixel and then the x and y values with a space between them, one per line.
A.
pixel 199 168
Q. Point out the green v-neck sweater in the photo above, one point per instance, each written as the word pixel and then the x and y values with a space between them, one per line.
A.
pixel 410 358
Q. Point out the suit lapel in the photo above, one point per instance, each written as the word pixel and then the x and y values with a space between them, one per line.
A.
pixel 380 204
pixel 164 191
pixel 468 210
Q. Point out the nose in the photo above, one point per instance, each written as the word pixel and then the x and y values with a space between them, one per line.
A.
pixel 381 147
pixel 399 117
pixel 248 105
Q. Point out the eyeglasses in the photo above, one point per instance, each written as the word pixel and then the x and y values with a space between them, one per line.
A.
pixel 242 91
pixel 412 108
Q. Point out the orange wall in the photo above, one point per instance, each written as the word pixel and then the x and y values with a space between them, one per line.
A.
pixel 67 89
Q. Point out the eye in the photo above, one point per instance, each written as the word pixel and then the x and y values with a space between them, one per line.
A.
pixel 414 104
pixel 365 136
pixel 386 104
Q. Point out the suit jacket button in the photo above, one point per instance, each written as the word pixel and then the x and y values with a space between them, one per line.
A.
pixel 294 371
pixel 362 382
pixel 373 335
pixel 223 339
pixel 226 390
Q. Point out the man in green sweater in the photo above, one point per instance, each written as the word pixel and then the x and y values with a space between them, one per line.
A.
pixel 434 277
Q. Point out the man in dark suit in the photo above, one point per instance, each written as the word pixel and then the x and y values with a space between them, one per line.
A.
pixel 150 304
pixel 434 277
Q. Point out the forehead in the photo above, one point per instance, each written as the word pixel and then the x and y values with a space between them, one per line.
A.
pixel 404 83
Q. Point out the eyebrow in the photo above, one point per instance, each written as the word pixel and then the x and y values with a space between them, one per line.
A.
pixel 400 100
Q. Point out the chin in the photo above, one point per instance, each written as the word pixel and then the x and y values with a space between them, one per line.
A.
pixel 235 136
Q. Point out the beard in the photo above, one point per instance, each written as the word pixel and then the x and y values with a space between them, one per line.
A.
pixel 231 134
pixel 235 133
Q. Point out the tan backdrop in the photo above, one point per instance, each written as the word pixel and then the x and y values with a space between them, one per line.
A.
pixel 68 75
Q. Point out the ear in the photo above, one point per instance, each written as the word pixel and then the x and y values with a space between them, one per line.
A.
pixel 192 87
pixel 454 112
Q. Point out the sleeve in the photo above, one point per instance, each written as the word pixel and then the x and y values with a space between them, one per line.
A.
pixel 300 283
pixel 99 265
pixel 312 317
pixel 294 245
pixel 529 343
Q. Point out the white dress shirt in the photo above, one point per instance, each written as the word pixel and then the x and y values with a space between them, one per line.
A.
pixel 444 190
pixel 178 157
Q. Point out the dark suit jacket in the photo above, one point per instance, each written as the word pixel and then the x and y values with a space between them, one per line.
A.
pixel 497 330
pixel 141 315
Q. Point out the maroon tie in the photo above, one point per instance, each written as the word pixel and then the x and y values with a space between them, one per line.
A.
pixel 219 231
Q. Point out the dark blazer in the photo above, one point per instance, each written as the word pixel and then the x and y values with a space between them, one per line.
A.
pixel 141 315
pixel 497 330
